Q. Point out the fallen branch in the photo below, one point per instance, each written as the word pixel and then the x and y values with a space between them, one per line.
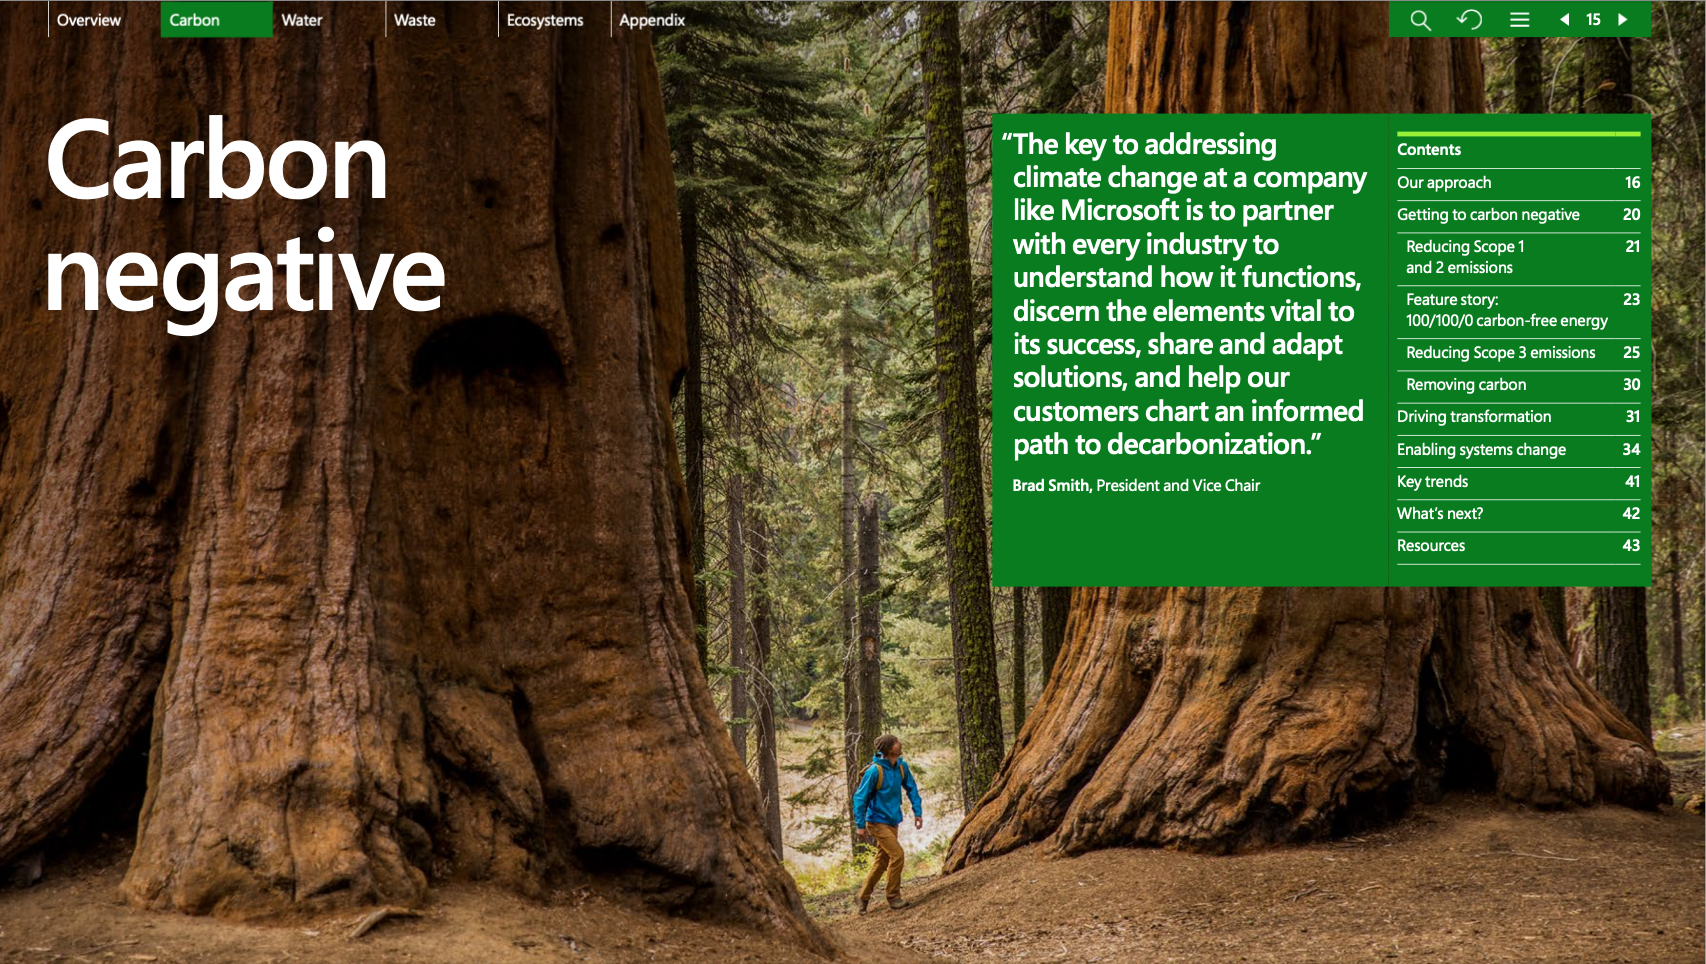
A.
pixel 374 918
pixel 1518 853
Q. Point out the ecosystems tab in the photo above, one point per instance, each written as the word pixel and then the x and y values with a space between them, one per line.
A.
pixel 527 21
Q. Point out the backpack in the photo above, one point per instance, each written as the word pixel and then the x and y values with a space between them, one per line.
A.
pixel 905 771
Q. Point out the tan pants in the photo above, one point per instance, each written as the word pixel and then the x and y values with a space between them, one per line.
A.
pixel 889 857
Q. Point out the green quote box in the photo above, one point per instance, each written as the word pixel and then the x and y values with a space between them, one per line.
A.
pixel 1321 350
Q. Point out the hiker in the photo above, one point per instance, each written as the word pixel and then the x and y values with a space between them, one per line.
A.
pixel 876 815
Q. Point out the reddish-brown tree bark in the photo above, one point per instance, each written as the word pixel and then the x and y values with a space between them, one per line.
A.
pixel 406 593
pixel 1276 58
pixel 1219 718
pixel 1214 719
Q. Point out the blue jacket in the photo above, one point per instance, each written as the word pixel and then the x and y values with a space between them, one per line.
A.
pixel 883 806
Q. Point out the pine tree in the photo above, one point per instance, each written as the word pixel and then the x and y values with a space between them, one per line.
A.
pixel 751 138
pixel 958 404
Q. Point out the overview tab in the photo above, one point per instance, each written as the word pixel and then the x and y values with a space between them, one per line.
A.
pixel 216 18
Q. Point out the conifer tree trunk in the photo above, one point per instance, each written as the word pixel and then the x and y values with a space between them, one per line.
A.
pixel 1607 73
pixel 1552 602
pixel 1678 677
pixel 693 395
pixel 1218 718
pixel 870 627
pixel 736 498
pixel 763 691
pixel 1051 26
pixel 1619 657
pixel 976 688
pixel 402 596
pixel 1018 660
pixel 1620 642
pixel 1674 496
pixel 1055 602
pixel 1530 81
pixel 849 564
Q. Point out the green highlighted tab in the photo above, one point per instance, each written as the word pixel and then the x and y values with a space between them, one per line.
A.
pixel 1520 18
pixel 216 18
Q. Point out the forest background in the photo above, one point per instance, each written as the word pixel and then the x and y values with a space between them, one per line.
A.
pixel 838 383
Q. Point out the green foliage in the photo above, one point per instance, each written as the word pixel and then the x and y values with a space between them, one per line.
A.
pixel 828 832
pixel 849 874
pixel 752 129
pixel 799 148
pixel 1672 711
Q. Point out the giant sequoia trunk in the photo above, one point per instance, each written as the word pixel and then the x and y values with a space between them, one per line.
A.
pixel 1218 718
pixel 402 595
pixel 1275 58
pixel 1214 719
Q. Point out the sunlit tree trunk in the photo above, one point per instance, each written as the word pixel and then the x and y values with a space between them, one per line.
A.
pixel 402 596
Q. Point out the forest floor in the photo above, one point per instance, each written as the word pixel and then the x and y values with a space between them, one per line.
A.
pixel 1469 880
pixel 1683 748
pixel 75 916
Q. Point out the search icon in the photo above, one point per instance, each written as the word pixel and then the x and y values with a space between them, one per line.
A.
pixel 1420 19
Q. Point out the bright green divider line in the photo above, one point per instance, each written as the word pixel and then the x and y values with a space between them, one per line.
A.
pixel 1519 134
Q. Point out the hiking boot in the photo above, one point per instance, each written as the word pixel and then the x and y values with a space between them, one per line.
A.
pixel 864 905
pixel 896 903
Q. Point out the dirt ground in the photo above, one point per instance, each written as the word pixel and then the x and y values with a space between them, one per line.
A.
pixel 76 917
pixel 1470 880
pixel 1681 747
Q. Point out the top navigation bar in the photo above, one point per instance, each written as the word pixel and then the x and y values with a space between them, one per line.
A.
pixel 243 19
pixel 1520 18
